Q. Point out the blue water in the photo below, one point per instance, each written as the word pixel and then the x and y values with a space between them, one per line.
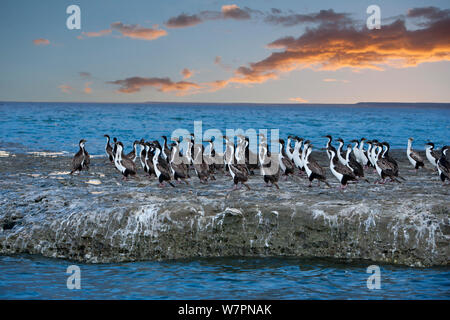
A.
pixel 59 126
pixel 31 277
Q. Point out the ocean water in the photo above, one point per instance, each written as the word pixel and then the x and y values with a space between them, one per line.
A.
pixel 31 277
pixel 59 126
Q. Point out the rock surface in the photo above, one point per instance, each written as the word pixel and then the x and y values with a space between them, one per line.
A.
pixel 43 210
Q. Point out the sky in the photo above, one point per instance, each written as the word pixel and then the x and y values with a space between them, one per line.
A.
pixel 225 51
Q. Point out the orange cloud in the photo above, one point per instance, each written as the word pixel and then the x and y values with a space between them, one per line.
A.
pixel 87 89
pixel 331 47
pixel 136 32
pixel 41 41
pixel 187 73
pixel 135 84
pixel 65 88
pixel 334 80
pixel 298 99
pixel 232 11
pixel 95 34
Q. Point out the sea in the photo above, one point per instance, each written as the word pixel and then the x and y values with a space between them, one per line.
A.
pixel 57 127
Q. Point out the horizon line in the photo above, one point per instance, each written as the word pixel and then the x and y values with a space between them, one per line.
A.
pixel 228 103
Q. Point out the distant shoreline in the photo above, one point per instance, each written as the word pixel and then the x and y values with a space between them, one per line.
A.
pixel 443 105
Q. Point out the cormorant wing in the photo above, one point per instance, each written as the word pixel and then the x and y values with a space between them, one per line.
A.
pixel 415 156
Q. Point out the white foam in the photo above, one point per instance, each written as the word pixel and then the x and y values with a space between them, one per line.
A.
pixel 47 154
pixel 4 154
pixel 58 173
pixel 94 182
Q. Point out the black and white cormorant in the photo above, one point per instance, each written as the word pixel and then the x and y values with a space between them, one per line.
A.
pixel 329 146
pixel 251 159
pixel 165 151
pixel 142 154
pixel 362 153
pixel 161 167
pixel 133 154
pixel 180 171
pixel 443 165
pixel 149 153
pixel 286 165
pixel 413 157
pixel 354 165
pixel 201 167
pixel 340 171
pixel 384 167
pixel 297 155
pixel 313 169
pixel 109 149
pixel 238 174
pixel 81 160
pixel 269 170
pixel 341 158
pixel 432 154
pixel 124 164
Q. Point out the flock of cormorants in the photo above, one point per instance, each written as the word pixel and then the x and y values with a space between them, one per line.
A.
pixel 167 163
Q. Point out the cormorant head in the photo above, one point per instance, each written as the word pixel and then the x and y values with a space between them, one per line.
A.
pixel 106 136
pixel 281 141
pixel 340 140
pixel 445 149
pixel 81 143
pixel 431 144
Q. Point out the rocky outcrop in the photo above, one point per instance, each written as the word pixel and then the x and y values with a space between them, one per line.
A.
pixel 61 216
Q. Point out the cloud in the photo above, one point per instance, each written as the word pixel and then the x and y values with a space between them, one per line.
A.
pixel 432 14
pixel 84 74
pixel 95 34
pixel 41 41
pixel 187 73
pixel 329 46
pixel 218 61
pixel 292 19
pixel 332 47
pixel 138 32
pixel 334 80
pixel 231 11
pixel 135 84
pixel 183 20
pixel 298 99
pixel 87 89
pixel 65 88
